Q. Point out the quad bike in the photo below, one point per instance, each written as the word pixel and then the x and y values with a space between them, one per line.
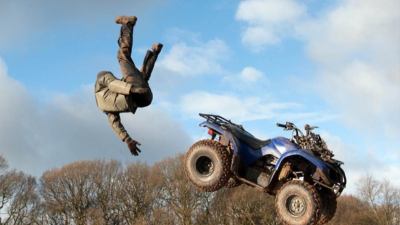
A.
pixel 300 171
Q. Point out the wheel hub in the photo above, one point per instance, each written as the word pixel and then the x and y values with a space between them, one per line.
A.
pixel 296 205
pixel 204 166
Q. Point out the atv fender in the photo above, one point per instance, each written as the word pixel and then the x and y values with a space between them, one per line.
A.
pixel 227 136
pixel 212 126
pixel 248 155
pixel 322 169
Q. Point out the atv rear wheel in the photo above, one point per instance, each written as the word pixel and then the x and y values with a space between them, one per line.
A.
pixel 328 205
pixel 297 203
pixel 207 165
pixel 233 182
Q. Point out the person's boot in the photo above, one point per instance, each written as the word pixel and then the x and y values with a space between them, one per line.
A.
pixel 126 20
pixel 156 48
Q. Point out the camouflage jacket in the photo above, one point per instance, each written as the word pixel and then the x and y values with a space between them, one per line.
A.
pixel 113 97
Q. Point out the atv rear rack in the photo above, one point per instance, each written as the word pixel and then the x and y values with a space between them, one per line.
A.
pixel 219 120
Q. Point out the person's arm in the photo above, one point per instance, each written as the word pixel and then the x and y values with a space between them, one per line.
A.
pixel 115 122
pixel 120 87
pixel 107 79
pixel 119 129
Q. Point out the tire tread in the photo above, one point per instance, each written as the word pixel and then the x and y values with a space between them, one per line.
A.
pixel 223 153
pixel 328 207
pixel 315 218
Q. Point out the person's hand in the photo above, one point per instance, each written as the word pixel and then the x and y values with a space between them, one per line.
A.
pixel 133 146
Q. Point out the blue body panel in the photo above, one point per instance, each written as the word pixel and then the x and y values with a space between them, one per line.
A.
pixel 280 147
pixel 247 154
pixel 304 154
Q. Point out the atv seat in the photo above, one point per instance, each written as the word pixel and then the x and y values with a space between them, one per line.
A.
pixel 247 138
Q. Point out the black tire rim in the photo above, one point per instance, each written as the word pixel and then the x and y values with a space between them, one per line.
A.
pixel 296 205
pixel 204 166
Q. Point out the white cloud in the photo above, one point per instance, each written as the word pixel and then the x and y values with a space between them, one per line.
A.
pixel 357 47
pixel 251 74
pixel 36 136
pixel 257 37
pixel 197 59
pixel 233 107
pixel 268 21
pixel 366 96
pixel 354 28
pixel 249 79
pixel 247 76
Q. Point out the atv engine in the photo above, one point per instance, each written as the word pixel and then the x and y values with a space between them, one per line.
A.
pixel 314 143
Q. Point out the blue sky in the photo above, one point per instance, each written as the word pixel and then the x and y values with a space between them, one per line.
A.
pixel 334 64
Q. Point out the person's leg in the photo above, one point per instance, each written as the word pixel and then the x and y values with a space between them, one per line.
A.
pixel 103 79
pixel 150 60
pixel 125 37
pixel 128 69
pixel 107 92
pixel 144 99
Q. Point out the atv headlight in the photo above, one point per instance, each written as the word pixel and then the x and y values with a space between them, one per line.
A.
pixel 336 189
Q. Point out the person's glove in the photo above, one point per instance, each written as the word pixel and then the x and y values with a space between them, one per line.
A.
pixel 133 146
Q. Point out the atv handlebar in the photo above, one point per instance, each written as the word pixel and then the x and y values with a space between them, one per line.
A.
pixel 290 126
pixel 281 125
pixel 287 126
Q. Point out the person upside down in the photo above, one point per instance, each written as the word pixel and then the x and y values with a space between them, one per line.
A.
pixel 132 91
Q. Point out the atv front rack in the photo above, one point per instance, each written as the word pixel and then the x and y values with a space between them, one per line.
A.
pixel 219 120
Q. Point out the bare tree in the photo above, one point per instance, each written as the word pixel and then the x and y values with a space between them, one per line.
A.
pixel 351 210
pixel 383 200
pixel 18 197
pixel 243 205
pixel 105 193
pixel 69 192
pixel 3 164
pixel 107 185
pixel 22 207
pixel 390 203
pixel 184 202
pixel 140 188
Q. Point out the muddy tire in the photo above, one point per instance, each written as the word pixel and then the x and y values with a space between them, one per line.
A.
pixel 298 203
pixel 207 165
pixel 328 206
pixel 233 182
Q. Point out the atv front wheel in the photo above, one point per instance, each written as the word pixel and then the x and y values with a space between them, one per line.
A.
pixel 328 205
pixel 207 164
pixel 297 203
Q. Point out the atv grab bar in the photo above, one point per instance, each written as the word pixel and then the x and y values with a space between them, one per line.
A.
pixel 219 120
